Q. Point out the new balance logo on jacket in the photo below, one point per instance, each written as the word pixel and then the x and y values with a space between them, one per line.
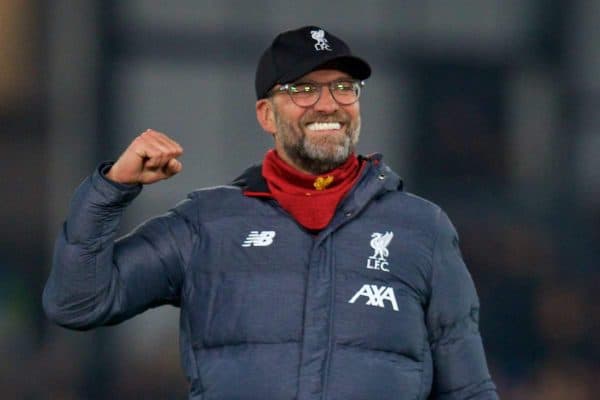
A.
pixel 376 295
pixel 256 238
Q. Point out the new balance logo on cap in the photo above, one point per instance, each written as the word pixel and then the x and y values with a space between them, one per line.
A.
pixel 376 296
pixel 256 238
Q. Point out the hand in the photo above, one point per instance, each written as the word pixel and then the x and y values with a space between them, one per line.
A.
pixel 151 157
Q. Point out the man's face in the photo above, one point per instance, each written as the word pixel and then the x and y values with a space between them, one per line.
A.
pixel 318 138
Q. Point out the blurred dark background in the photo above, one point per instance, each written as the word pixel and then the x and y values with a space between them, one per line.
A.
pixel 487 107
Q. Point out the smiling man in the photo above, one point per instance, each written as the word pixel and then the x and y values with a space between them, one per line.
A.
pixel 311 276
pixel 315 130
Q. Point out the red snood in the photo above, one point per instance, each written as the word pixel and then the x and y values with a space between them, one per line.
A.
pixel 310 199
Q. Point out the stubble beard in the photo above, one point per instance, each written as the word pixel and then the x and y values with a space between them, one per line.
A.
pixel 318 154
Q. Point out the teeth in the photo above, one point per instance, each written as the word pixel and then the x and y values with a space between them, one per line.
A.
pixel 323 126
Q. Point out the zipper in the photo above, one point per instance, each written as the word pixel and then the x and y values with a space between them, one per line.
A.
pixel 330 332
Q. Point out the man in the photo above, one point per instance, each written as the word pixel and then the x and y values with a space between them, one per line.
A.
pixel 313 276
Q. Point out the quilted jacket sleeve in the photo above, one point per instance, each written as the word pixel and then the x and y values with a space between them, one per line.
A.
pixel 460 368
pixel 96 280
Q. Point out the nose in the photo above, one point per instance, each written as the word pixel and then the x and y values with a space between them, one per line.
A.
pixel 326 103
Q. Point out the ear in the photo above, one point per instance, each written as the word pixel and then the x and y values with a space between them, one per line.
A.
pixel 265 115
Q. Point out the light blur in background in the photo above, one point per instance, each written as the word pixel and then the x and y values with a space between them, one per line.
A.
pixel 489 108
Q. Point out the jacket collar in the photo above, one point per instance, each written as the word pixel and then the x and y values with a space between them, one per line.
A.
pixel 251 180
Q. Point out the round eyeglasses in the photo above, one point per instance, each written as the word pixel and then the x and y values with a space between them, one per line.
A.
pixel 306 94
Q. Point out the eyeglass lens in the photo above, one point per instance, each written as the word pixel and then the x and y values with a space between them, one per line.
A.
pixel 306 94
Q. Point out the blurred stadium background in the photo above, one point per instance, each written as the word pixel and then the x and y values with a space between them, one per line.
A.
pixel 487 107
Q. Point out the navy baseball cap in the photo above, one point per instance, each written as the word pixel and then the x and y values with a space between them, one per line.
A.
pixel 296 53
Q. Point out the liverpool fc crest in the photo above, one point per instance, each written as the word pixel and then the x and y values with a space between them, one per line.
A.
pixel 379 243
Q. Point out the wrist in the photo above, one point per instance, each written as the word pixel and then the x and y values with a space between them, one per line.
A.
pixel 108 172
pixel 114 191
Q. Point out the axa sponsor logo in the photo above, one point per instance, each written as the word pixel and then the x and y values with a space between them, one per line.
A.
pixel 376 296
pixel 379 243
pixel 261 239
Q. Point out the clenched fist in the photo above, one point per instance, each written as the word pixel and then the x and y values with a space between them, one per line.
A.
pixel 151 157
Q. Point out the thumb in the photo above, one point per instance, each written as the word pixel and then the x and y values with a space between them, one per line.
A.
pixel 173 167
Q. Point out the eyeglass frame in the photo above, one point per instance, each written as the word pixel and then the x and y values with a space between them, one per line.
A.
pixel 285 88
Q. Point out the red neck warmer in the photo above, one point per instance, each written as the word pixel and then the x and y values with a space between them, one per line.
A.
pixel 310 199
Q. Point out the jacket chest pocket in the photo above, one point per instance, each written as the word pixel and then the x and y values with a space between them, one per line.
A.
pixel 231 308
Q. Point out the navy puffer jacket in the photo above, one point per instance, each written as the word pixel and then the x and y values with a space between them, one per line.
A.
pixel 377 306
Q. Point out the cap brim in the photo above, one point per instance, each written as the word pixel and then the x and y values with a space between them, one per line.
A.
pixel 354 66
